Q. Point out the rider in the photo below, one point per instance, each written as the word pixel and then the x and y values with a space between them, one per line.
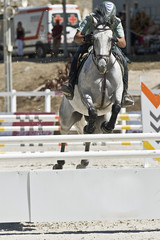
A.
pixel 104 13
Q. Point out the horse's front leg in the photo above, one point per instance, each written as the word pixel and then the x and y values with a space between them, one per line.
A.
pixel 60 163
pixel 107 127
pixel 92 114
pixel 90 127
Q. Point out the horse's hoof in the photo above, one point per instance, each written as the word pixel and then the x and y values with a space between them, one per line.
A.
pixel 84 163
pixel 105 128
pixel 89 130
pixel 59 165
pixel 61 162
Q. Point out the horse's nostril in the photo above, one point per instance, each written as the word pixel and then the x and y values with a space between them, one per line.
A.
pixel 102 65
pixel 102 62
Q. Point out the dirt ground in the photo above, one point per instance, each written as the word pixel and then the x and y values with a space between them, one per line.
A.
pixel 34 75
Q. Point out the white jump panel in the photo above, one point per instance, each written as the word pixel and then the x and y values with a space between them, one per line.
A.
pixel 14 196
pixel 94 194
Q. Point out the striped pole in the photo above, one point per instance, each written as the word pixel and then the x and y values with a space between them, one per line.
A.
pixel 30 118
pixel 56 118
pixel 33 147
pixel 57 128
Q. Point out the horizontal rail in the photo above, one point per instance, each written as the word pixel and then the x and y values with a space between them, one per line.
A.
pixel 29 94
pixel 56 118
pixel 30 118
pixel 57 128
pixel 47 97
pixel 40 145
pixel 52 93
pixel 80 138
pixel 77 155
pixel 129 117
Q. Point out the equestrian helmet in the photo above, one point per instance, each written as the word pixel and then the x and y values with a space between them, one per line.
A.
pixel 108 9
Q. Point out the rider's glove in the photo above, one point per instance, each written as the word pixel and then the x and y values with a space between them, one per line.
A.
pixel 88 38
pixel 114 39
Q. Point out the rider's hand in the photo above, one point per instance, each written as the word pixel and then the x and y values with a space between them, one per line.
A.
pixel 88 38
pixel 114 39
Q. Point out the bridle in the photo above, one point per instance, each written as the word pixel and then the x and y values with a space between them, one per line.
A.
pixel 95 57
pixel 103 55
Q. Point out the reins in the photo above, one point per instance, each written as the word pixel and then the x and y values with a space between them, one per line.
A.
pixel 103 90
pixel 94 56
pixel 104 85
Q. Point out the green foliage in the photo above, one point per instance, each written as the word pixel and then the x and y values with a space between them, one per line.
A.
pixel 55 1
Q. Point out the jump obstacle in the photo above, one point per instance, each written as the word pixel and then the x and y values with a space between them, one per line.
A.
pixel 51 122
pixel 56 118
pixel 80 195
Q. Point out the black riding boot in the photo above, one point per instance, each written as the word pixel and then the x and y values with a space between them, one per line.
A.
pixel 127 100
pixel 68 87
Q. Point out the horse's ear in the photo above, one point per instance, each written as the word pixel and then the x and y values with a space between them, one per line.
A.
pixel 94 20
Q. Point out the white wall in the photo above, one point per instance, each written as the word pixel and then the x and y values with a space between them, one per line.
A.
pixel 80 195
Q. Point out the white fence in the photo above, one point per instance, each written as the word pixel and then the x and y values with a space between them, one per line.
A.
pixel 47 97
pixel 13 95
pixel 77 155
pixel 80 138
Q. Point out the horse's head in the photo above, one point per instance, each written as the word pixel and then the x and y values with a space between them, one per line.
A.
pixel 103 39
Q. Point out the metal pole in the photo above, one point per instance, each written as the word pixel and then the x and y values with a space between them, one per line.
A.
pixel 64 28
pixel 7 56
pixel 128 37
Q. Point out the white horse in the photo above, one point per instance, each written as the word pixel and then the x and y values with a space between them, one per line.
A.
pixel 98 92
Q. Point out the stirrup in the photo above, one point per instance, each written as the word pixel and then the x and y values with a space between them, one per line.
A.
pixel 127 101
pixel 67 90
